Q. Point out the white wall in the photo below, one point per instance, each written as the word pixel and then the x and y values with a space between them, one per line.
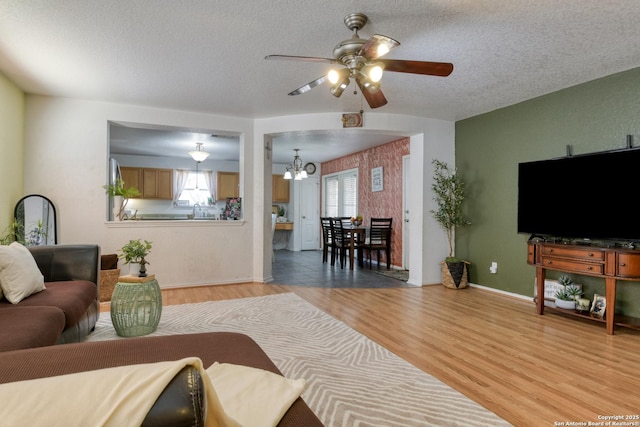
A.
pixel 66 144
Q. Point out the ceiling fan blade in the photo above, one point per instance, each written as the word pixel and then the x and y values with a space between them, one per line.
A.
pixel 377 46
pixel 308 86
pixel 376 99
pixel 441 69
pixel 302 58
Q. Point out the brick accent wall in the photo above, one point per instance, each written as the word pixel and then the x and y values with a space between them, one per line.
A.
pixel 380 204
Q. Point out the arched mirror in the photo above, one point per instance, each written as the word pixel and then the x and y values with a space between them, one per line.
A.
pixel 35 221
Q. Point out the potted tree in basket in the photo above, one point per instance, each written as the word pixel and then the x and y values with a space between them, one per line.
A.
pixel 135 252
pixel 448 193
pixel 121 196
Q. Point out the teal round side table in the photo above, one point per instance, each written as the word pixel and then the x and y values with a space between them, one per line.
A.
pixel 136 306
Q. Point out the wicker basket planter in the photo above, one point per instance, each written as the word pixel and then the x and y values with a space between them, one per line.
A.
pixel 108 280
pixel 455 275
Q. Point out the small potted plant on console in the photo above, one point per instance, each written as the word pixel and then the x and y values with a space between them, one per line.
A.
pixel 567 296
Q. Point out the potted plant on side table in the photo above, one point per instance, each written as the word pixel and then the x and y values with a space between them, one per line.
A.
pixel 448 193
pixel 135 252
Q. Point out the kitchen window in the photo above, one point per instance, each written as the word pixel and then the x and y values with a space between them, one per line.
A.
pixel 341 194
pixel 194 188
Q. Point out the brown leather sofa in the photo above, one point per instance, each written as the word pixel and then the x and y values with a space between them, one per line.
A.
pixel 66 311
pixel 182 402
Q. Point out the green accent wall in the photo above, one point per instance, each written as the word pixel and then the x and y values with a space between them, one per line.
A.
pixel 593 116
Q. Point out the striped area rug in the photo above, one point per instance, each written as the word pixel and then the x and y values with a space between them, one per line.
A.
pixel 351 380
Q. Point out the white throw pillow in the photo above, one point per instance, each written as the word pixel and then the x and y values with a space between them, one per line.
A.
pixel 19 273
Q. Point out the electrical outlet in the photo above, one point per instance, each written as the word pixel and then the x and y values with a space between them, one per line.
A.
pixel 494 268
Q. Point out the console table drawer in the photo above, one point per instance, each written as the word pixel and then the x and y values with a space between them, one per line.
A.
pixel 573 252
pixel 628 265
pixel 569 265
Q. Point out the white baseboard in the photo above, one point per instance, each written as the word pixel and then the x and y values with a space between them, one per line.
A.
pixel 500 291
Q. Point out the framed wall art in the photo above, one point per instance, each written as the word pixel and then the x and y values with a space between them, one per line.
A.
pixel 377 181
pixel 352 120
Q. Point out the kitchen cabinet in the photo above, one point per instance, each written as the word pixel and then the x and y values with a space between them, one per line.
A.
pixel 228 185
pixel 280 189
pixel 151 182
pixel 132 177
pixel 157 183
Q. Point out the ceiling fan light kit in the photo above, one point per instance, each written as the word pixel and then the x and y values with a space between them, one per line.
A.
pixel 373 71
pixel 359 57
pixel 339 80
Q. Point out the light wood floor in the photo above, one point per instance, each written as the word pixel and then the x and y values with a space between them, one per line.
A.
pixel 531 370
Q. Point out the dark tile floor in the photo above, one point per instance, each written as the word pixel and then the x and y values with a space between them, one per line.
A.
pixel 305 268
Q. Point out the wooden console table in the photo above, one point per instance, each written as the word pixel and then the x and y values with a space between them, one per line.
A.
pixel 612 264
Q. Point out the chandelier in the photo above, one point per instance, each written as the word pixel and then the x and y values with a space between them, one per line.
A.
pixel 295 170
pixel 198 154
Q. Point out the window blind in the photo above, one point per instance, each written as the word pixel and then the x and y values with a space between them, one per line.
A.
pixel 341 194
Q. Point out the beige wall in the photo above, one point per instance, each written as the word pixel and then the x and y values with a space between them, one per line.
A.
pixel 11 149
pixel 66 143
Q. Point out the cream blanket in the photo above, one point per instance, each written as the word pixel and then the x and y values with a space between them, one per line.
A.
pixel 236 396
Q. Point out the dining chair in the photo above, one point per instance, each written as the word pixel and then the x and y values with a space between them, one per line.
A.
pixel 346 221
pixel 379 240
pixel 342 241
pixel 327 240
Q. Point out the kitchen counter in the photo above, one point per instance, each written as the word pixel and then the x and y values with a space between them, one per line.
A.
pixel 284 226
pixel 171 218
pixel 175 222
pixel 176 217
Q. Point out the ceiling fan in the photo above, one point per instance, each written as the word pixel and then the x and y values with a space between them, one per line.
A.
pixel 362 63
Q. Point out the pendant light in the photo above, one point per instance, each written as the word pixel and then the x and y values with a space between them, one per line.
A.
pixel 198 155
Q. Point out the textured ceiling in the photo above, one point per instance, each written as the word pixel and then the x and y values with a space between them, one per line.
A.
pixel 208 56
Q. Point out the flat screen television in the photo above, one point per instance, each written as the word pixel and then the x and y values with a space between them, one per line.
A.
pixel 583 197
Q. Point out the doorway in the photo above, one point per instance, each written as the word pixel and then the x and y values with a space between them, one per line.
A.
pixel 309 197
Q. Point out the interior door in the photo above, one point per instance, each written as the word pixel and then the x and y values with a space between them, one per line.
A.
pixel 310 213
pixel 406 191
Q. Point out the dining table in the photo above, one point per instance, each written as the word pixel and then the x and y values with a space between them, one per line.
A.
pixel 356 233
